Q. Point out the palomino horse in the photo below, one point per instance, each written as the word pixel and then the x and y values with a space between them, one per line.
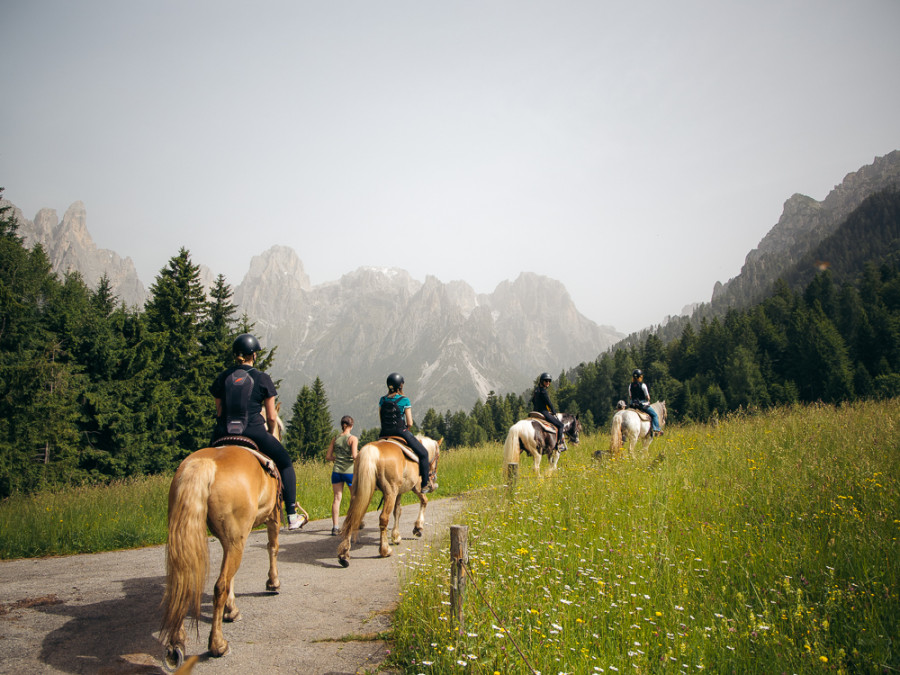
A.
pixel 227 489
pixel 385 465
pixel 629 425
pixel 538 437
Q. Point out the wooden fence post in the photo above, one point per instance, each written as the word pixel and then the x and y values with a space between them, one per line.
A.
pixel 459 559
pixel 512 474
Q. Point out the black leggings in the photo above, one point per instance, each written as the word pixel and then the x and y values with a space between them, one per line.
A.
pixel 271 447
pixel 421 452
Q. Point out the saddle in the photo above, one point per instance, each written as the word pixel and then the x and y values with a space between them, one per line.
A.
pixel 640 413
pixel 247 444
pixel 398 440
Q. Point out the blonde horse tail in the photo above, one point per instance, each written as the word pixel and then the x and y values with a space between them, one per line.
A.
pixel 512 448
pixel 364 479
pixel 187 552
pixel 616 440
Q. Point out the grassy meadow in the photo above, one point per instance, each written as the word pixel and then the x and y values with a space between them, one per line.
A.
pixel 763 544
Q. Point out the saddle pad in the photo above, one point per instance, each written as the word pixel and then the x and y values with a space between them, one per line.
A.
pixel 538 417
pixel 397 440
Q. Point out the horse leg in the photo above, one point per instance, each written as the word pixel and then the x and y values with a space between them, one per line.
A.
pixel 223 597
pixel 390 497
pixel 554 458
pixel 395 532
pixel 420 520
pixel 272 527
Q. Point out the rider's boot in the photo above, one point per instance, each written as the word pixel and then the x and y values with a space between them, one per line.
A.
pixel 426 484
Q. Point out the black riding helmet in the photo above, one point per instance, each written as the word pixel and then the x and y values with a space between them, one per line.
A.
pixel 245 345
pixel 636 373
pixel 394 381
pixel 545 377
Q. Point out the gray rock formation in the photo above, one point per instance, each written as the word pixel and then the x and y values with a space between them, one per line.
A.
pixel 804 223
pixel 69 247
pixel 452 345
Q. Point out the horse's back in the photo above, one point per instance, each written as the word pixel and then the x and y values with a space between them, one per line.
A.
pixel 237 477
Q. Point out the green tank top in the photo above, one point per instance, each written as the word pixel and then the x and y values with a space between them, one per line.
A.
pixel 343 456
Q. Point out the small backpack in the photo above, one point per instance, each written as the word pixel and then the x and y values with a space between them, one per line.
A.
pixel 238 388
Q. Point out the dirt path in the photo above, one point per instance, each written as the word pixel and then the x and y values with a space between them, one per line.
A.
pixel 100 613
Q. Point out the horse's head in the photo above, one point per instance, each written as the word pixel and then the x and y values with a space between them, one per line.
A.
pixel 571 426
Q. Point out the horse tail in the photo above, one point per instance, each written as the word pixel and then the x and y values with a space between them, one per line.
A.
pixel 187 552
pixel 512 446
pixel 364 483
pixel 616 440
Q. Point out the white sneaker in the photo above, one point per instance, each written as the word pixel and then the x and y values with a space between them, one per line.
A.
pixel 296 521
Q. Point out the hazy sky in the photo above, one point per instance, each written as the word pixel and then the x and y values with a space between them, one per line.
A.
pixel 636 151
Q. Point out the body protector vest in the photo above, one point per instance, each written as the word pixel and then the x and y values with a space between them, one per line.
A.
pixel 238 388
pixel 636 391
pixel 392 420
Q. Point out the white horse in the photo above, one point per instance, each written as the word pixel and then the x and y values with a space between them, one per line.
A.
pixel 538 438
pixel 630 426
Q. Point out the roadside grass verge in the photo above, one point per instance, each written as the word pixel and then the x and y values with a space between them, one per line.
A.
pixel 765 544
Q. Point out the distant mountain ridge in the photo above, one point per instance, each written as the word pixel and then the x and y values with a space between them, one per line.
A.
pixel 452 345
pixel 804 223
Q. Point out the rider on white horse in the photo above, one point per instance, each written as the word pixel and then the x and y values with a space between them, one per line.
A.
pixel 640 399
pixel 540 402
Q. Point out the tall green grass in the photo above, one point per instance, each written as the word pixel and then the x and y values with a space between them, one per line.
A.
pixel 766 544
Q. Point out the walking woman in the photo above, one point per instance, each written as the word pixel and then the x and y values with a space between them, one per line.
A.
pixel 342 452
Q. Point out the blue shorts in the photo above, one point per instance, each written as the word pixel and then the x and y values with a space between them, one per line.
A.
pixel 342 478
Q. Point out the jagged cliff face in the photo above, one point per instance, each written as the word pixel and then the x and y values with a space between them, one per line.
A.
pixel 451 345
pixel 804 223
pixel 69 247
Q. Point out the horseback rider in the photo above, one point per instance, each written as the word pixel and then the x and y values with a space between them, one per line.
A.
pixel 241 393
pixel 395 412
pixel 640 399
pixel 540 402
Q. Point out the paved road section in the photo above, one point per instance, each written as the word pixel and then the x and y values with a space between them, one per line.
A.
pixel 100 613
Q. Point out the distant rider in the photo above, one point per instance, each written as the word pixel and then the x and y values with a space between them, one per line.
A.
pixel 540 402
pixel 395 412
pixel 640 399
pixel 241 393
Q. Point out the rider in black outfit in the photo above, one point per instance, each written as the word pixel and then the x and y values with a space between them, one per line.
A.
pixel 540 402
pixel 239 412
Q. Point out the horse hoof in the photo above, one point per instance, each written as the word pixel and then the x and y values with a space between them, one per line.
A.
pixel 221 651
pixel 231 618
pixel 174 658
pixel 345 562
pixel 417 531
pixel 272 588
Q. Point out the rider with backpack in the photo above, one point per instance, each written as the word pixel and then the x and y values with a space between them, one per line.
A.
pixel 540 402
pixel 395 412
pixel 241 393
pixel 640 399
